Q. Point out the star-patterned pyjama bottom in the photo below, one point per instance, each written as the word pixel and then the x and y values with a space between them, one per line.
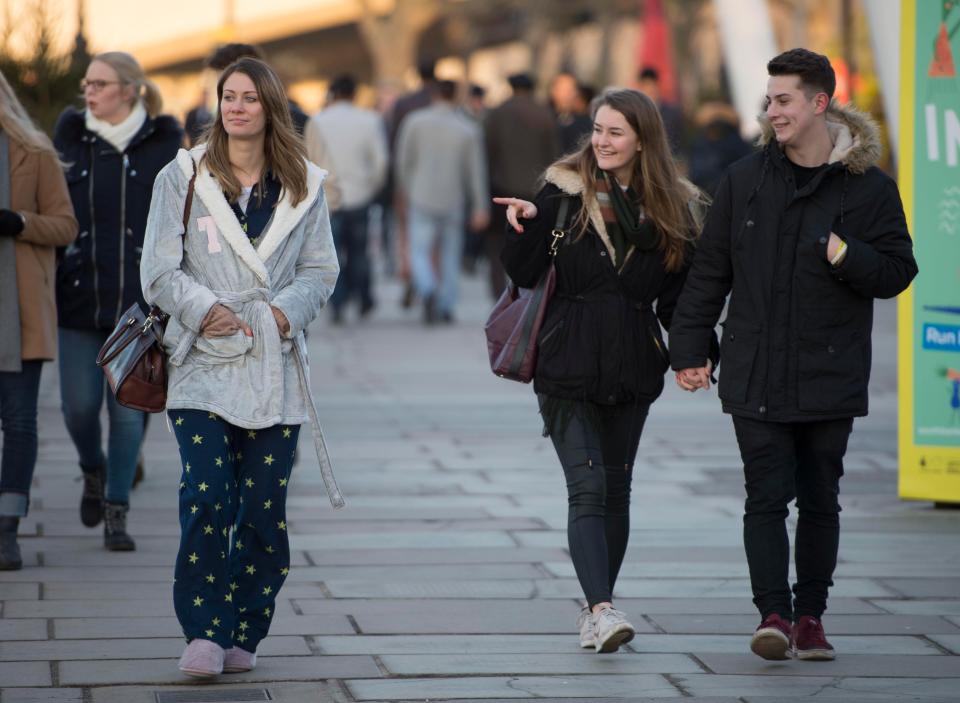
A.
pixel 234 555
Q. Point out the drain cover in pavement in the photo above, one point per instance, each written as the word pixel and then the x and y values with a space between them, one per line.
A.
pixel 232 696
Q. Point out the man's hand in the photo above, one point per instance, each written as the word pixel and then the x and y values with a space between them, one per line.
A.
pixel 517 209
pixel 833 246
pixel 283 324
pixel 694 378
pixel 221 321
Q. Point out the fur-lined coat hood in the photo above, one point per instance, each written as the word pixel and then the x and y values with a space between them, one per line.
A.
pixel 855 136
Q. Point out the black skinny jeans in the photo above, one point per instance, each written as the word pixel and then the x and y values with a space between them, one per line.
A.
pixel 598 465
pixel 783 461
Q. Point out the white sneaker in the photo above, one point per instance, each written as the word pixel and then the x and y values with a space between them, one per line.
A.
pixel 585 624
pixel 612 630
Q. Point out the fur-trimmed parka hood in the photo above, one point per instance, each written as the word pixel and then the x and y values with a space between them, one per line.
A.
pixel 855 136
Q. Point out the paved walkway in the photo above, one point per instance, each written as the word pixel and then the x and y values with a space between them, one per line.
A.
pixel 446 577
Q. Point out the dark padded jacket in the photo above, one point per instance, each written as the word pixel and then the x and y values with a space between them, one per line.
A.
pixel 796 340
pixel 601 341
pixel 98 276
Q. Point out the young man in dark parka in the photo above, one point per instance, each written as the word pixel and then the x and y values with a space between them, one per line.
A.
pixel 803 235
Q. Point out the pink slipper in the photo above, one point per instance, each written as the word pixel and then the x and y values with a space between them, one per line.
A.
pixel 236 660
pixel 202 659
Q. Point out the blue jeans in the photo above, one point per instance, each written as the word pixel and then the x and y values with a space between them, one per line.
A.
pixel 18 415
pixel 82 387
pixel 351 235
pixel 424 228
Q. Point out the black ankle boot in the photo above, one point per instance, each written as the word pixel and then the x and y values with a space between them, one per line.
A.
pixel 115 537
pixel 9 549
pixel 91 502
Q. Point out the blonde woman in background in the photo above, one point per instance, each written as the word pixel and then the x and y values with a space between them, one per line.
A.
pixel 35 217
pixel 114 147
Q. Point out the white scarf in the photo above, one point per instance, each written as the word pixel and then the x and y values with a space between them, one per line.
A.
pixel 119 135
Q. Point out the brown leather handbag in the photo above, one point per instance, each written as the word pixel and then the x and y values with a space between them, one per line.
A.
pixel 132 358
pixel 515 321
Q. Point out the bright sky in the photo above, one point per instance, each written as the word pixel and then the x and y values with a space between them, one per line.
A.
pixel 127 24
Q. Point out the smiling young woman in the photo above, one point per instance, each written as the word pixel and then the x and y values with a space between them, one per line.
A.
pixel 601 355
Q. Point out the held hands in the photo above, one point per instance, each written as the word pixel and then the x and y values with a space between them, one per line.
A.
pixel 517 209
pixel 221 321
pixel 692 379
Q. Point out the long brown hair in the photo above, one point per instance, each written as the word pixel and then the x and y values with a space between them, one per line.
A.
pixel 673 204
pixel 285 155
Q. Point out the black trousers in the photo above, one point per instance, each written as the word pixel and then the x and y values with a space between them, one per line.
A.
pixel 783 461
pixel 598 465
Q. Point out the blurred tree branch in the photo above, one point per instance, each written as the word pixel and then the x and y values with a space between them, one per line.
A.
pixel 45 80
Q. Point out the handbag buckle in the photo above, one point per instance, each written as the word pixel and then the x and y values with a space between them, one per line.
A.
pixel 147 324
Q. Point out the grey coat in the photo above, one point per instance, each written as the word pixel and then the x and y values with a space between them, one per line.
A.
pixel 250 382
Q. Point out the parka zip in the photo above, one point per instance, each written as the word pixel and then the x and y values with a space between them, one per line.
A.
pixel 93 238
pixel 123 230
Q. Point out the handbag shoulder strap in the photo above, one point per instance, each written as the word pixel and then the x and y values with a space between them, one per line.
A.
pixel 156 314
pixel 559 232
pixel 188 202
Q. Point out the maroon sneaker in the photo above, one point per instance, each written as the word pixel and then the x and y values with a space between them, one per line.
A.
pixel 772 638
pixel 808 641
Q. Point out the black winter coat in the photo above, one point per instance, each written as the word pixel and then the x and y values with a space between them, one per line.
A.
pixel 601 340
pixel 98 276
pixel 796 341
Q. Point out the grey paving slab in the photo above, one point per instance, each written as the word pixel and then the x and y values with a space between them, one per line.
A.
pixel 852 665
pixel 450 644
pixel 152 648
pixel 773 688
pixel 924 587
pixel 833 624
pixel 740 605
pixel 47 695
pixel 443 607
pixel 919 607
pixel 738 644
pixel 286 692
pixel 694 588
pixel 949 642
pixel 404 540
pixel 17 629
pixel 70 574
pixel 613 686
pixel 473 622
pixel 432 589
pixel 12 591
pixel 160 671
pixel 585 662
pixel 473 555
pixel 25 674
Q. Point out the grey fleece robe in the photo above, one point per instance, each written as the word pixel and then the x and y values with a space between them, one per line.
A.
pixel 250 382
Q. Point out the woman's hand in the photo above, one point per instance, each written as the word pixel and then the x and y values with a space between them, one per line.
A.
pixel 517 209
pixel 283 324
pixel 221 321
